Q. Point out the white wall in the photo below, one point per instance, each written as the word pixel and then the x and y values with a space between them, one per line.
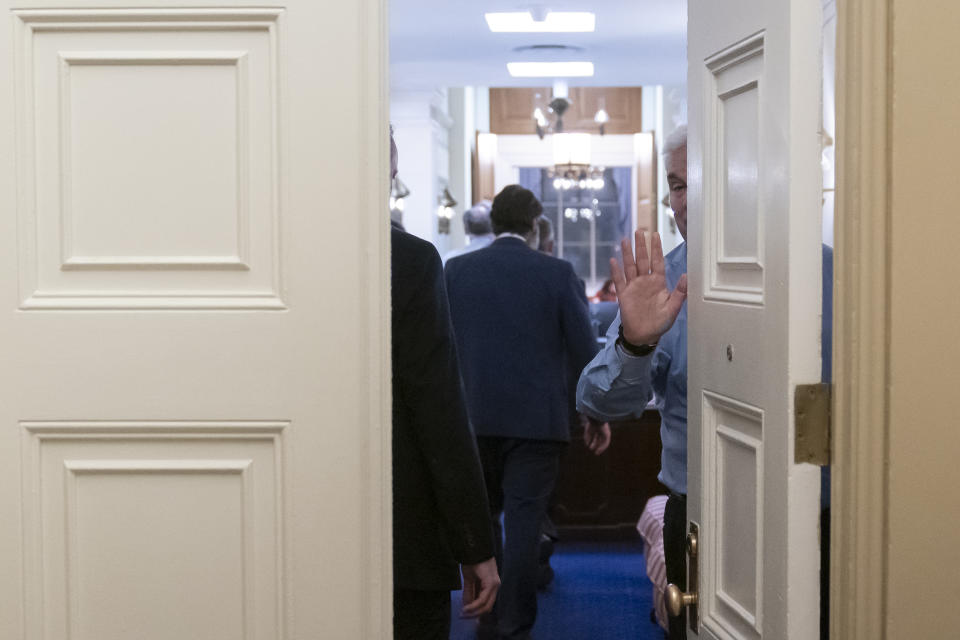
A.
pixel 470 112
pixel 422 129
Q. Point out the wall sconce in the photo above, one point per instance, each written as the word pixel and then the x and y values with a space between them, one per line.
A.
pixel 601 117
pixel 398 191
pixel 446 203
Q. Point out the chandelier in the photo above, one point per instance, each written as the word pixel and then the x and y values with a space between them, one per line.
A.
pixel 586 213
pixel 571 163
pixel 571 151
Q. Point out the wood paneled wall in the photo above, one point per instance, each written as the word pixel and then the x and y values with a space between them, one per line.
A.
pixel 511 109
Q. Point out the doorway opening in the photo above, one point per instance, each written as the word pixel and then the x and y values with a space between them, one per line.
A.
pixel 468 129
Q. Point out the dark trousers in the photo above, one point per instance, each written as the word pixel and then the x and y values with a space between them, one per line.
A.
pixel 520 475
pixel 675 556
pixel 421 615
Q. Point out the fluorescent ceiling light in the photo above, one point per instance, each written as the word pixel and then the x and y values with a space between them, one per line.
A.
pixel 550 69
pixel 553 22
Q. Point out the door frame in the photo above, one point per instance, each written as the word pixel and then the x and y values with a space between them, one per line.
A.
pixel 861 354
pixel 374 242
pixel 861 336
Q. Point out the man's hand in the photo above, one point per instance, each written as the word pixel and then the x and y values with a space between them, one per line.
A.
pixel 596 435
pixel 647 308
pixel 480 585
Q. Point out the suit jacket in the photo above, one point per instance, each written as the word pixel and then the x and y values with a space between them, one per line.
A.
pixel 523 332
pixel 440 516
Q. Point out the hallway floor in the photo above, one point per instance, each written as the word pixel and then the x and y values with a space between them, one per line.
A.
pixel 600 592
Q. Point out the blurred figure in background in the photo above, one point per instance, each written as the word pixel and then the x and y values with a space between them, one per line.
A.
pixel 606 293
pixel 476 226
pixel 542 237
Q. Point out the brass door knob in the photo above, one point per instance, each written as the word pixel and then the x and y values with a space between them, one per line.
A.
pixel 677 600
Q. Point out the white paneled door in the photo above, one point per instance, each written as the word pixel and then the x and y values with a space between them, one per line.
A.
pixel 754 262
pixel 194 424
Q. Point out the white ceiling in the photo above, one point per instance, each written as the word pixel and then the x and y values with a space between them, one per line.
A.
pixel 446 43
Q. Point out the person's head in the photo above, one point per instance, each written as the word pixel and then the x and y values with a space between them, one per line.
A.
pixel 476 219
pixel 514 210
pixel 675 161
pixel 394 155
pixel 396 215
pixel 544 235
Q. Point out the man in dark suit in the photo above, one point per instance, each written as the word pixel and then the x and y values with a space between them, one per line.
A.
pixel 439 502
pixel 520 319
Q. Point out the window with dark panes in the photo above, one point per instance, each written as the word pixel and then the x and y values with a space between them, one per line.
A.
pixel 588 223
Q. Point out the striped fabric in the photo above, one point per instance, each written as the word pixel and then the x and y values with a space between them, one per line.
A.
pixel 650 527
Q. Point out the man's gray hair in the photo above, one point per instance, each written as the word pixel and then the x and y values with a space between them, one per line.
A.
pixel 675 141
pixel 476 219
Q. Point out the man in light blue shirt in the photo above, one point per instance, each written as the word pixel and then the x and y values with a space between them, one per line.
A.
pixel 646 358
pixel 617 385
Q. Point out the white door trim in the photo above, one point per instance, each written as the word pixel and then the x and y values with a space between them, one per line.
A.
pixel 375 241
pixel 861 323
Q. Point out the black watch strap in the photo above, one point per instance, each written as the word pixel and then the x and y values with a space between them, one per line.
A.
pixel 638 350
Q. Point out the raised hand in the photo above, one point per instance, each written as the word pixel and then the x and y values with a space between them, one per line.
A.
pixel 647 308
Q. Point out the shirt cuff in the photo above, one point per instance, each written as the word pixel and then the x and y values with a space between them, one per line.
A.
pixel 633 368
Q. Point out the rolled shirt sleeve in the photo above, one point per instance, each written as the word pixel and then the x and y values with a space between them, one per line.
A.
pixel 615 385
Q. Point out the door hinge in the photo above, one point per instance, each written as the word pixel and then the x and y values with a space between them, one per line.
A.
pixel 811 406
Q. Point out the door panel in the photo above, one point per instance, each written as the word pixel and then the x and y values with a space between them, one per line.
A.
pixel 754 260
pixel 140 505
pixel 193 431
pixel 123 107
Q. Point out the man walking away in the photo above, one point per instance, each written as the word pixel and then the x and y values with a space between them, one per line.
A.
pixel 520 320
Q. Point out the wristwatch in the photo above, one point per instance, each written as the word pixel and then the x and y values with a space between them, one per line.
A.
pixel 634 349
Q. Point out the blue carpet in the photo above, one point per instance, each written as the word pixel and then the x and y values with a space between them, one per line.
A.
pixel 600 592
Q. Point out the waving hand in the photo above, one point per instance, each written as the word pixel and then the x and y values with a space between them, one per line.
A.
pixel 647 307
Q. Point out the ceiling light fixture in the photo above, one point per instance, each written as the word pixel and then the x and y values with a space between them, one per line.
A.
pixel 571 164
pixel 558 106
pixel 552 22
pixel 550 69
pixel 571 168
